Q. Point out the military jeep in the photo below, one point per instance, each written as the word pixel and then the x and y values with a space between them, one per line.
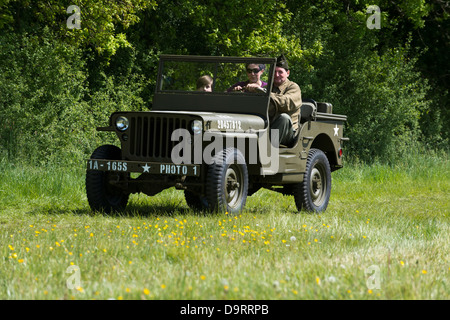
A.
pixel 215 146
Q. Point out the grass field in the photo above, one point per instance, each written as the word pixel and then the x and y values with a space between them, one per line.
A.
pixel 385 235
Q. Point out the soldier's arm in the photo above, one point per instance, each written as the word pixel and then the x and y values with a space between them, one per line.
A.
pixel 289 101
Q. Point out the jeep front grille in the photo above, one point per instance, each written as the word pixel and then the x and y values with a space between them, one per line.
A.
pixel 150 136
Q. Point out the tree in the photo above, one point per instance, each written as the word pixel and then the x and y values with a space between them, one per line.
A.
pixel 391 82
pixel 368 74
pixel 101 22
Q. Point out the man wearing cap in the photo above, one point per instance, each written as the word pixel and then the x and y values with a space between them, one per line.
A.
pixel 285 103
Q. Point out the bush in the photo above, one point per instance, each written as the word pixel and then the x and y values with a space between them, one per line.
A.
pixel 39 80
pixel 48 112
pixel 384 99
pixel 382 95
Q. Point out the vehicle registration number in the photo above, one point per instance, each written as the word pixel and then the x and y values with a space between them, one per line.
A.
pixel 144 167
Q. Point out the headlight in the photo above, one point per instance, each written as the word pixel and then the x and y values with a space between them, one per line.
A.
pixel 122 123
pixel 196 127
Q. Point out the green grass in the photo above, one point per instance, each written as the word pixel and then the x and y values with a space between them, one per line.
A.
pixel 384 225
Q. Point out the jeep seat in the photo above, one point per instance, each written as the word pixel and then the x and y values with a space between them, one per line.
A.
pixel 307 113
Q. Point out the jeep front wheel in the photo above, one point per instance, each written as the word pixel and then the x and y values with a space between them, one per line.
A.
pixel 195 201
pixel 227 181
pixel 102 190
pixel 313 193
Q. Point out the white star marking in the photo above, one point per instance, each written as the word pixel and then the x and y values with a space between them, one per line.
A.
pixel 336 130
pixel 146 168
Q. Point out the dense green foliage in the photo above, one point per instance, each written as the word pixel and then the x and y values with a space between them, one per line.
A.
pixel 58 83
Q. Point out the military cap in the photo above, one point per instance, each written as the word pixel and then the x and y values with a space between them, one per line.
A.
pixel 282 62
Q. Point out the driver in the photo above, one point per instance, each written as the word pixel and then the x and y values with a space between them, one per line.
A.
pixel 254 82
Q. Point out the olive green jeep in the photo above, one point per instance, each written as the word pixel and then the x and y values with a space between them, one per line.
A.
pixel 215 146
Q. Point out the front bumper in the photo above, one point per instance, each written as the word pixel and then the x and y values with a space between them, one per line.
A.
pixel 143 167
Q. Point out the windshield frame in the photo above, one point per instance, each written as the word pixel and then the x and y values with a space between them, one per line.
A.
pixel 216 101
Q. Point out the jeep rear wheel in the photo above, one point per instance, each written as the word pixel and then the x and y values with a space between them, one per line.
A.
pixel 102 189
pixel 313 193
pixel 227 181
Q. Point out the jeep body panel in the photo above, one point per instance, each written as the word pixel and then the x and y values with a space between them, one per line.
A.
pixel 327 136
pixel 150 135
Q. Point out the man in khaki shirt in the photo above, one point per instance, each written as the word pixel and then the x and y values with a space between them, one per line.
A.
pixel 285 103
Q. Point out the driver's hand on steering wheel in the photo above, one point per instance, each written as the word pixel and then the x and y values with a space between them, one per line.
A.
pixel 252 87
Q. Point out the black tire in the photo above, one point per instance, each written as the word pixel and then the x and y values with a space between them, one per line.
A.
pixel 227 182
pixel 313 193
pixel 195 202
pixel 102 195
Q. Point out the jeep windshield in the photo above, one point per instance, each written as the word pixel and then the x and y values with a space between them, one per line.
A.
pixel 176 88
